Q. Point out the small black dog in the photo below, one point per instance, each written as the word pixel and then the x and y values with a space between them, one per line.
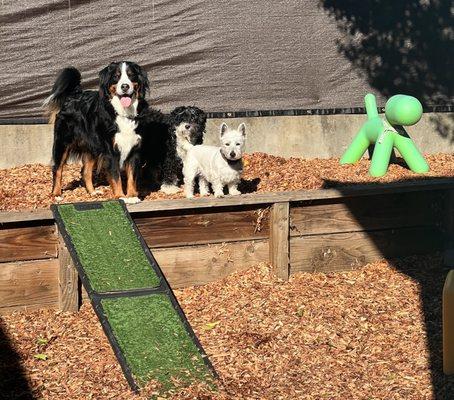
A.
pixel 153 127
pixel 186 127
pixel 166 138
pixel 99 127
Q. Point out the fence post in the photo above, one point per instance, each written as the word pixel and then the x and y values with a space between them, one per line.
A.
pixel 68 280
pixel 279 239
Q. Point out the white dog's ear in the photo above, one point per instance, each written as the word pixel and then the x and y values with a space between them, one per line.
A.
pixel 242 129
pixel 223 129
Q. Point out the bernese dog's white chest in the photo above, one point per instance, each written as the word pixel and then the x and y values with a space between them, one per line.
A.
pixel 126 138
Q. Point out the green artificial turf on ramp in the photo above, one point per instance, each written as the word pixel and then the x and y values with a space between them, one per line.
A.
pixel 154 341
pixel 134 303
pixel 108 248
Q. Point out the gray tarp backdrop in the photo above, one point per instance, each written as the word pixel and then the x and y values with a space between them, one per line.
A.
pixel 232 55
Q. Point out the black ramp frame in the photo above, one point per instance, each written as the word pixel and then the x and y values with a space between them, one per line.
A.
pixel 97 297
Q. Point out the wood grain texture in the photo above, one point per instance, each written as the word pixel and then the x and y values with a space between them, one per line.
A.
pixel 344 251
pixel 204 227
pixel 28 243
pixel 198 265
pixel 32 284
pixel 257 198
pixel 28 284
pixel 68 280
pixel 378 212
pixel 28 308
pixel 8 217
pixel 298 195
pixel 279 239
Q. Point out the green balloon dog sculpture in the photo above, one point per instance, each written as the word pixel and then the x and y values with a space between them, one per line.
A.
pixel 387 133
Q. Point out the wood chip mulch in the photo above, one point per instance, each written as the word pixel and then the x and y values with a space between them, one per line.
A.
pixel 371 333
pixel 29 186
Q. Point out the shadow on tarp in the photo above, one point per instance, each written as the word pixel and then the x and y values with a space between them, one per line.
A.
pixel 401 47
pixel 430 278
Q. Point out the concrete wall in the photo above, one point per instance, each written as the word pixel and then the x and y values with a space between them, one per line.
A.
pixel 324 136
pixel 25 144
pixel 311 136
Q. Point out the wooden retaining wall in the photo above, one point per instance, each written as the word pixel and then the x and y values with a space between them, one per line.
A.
pixel 201 240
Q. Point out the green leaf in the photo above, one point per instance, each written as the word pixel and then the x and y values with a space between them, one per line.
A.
pixel 300 311
pixel 41 357
pixel 42 341
pixel 211 325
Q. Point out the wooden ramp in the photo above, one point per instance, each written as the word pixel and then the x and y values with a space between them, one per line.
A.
pixel 138 311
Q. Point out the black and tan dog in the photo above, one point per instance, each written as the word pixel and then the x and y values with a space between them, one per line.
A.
pixel 99 127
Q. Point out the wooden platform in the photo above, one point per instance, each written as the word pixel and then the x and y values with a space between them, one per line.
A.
pixel 200 240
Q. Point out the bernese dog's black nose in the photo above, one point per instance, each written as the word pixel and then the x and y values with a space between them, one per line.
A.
pixel 232 154
pixel 125 87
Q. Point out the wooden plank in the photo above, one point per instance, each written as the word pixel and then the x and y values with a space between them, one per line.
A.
pixel 299 195
pixel 30 283
pixel 28 243
pixel 8 217
pixel 343 251
pixel 258 198
pixel 203 227
pixel 28 308
pixel 378 212
pixel 279 239
pixel 198 265
pixel 68 280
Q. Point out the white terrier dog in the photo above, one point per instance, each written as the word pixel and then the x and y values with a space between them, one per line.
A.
pixel 220 166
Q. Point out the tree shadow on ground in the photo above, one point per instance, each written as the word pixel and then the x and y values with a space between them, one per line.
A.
pixel 13 380
pixel 422 234
pixel 431 279
pixel 401 47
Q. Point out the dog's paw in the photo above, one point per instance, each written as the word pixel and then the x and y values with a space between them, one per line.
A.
pixel 234 192
pixel 218 194
pixel 130 200
pixel 189 195
pixel 97 192
pixel 169 189
pixel 58 199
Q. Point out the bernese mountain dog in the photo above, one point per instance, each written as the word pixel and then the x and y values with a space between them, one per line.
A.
pixel 99 127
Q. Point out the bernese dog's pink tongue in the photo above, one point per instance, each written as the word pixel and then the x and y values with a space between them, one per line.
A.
pixel 125 101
